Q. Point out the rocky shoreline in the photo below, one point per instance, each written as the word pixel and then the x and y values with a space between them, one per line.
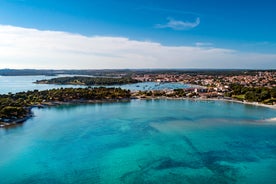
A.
pixel 16 108
pixel 8 123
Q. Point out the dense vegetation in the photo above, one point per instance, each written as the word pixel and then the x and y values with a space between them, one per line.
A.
pixel 89 81
pixel 253 94
pixel 17 106
pixel 176 93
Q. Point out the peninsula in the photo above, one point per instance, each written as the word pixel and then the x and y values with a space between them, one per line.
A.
pixel 16 108
pixel 89 81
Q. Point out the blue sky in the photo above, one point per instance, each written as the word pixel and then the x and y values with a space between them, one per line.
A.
pixel 237 26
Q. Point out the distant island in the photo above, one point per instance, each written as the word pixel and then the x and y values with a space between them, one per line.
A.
pixel 89 81
pixel 16 108
pixel 132 72
pixel 27 72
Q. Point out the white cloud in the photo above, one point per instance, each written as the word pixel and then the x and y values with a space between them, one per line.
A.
pixel 31 48
pixel 204 44
pixel 178 24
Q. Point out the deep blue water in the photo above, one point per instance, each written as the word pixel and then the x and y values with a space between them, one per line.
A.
pixel 161 141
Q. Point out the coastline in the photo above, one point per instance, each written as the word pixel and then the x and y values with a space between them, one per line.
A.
pixel 241 102
pixel 249 103
pixel 226 100
pixel 210 99
pixel 13 123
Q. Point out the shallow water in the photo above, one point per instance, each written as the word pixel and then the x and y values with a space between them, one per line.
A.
pixel 161 141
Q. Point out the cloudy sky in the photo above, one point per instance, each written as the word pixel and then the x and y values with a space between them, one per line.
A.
pixel 99 34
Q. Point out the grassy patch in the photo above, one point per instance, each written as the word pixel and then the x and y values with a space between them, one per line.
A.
pixel 238 97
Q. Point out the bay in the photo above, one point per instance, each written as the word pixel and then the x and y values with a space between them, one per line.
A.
pixel 14 84
pixel 142 141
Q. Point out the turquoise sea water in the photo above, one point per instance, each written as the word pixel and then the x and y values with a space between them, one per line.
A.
pixel 161 141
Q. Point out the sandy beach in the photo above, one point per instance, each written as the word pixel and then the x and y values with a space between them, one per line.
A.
pixel 211 99
pixel 243 102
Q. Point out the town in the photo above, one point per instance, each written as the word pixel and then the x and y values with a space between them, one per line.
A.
pixel 254 86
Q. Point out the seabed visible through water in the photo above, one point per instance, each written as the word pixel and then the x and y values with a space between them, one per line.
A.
pixel 154 141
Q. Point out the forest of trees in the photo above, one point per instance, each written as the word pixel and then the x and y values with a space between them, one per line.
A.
pixel 17 106
pixel 89 81
pixel 176 93
pixel 253 94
